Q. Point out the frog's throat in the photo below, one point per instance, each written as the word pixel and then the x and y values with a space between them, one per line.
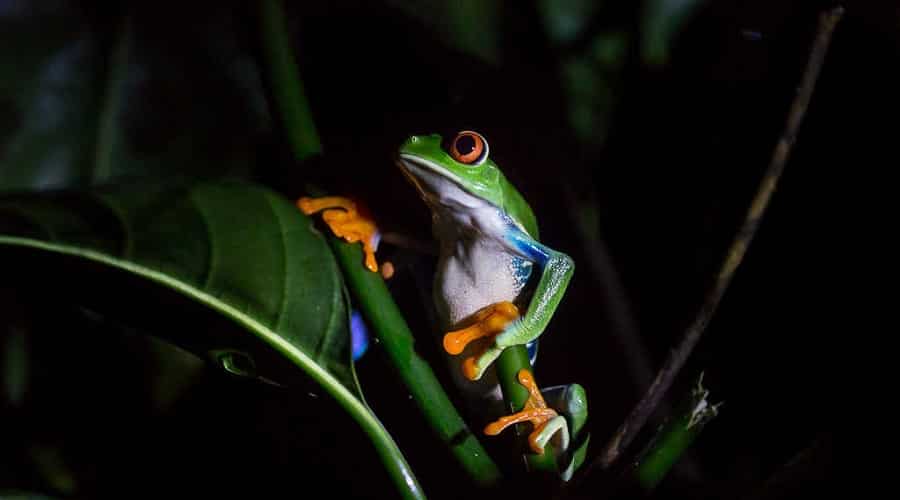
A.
pixel 418 169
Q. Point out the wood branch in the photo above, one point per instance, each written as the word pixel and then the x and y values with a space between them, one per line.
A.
pixel 638 417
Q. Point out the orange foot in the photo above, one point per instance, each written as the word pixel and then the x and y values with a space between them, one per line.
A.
pixel 344 219
pixel 545 420
pixel 488 322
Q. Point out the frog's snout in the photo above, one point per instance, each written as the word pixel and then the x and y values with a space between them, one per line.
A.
pixel 410 142
pixel 416 142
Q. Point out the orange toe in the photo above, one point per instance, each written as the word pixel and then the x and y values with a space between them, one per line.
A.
pixel 345 221
pixel 535 410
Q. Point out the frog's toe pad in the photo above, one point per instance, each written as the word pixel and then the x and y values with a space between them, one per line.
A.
pixel 543 433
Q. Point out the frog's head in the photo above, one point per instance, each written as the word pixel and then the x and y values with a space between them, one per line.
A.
pixel 453 172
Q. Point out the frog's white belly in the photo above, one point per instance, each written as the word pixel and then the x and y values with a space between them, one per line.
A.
pixel 475 269
pixel 472 275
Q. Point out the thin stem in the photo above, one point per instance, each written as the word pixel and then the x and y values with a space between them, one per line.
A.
pixel 368 288
pixel 509 363
pixel 287 86
pixel 678 356
pixel 377 305
pixel 675 437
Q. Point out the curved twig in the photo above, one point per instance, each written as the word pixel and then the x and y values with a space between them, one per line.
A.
pixel 828 20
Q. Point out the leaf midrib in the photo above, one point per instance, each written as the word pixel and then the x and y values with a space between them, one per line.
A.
pixel 387 448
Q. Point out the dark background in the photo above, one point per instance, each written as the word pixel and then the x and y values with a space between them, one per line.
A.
pixel 642 172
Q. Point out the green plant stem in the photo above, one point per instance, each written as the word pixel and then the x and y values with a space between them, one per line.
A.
pixel 287 86
pixel 510 362
pixel 378 306
pixel 674 438
pixel 368 288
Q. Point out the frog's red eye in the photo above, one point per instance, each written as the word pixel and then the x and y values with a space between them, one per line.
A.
pixel 469 147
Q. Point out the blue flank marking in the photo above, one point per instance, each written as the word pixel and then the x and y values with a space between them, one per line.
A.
pixel 521 270
pixel 359 335
pixel 534 252
pixel 527 246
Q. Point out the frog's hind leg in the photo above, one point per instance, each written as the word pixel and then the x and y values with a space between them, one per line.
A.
pixel 545 420
pixel 571 402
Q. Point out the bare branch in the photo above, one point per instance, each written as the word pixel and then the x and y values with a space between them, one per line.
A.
pixel 828 20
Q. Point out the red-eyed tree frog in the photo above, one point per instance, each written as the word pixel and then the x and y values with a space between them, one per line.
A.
pixel 490 266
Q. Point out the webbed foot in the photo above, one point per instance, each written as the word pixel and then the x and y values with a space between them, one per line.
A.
pixel 545 420
pixel 344 218
pixel 564 411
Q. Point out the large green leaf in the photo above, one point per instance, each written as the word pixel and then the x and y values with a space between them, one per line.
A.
pixel 211 251
pixel 103 96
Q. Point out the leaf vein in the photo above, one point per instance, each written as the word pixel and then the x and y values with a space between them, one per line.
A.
pixel 206 279
pixel 282 307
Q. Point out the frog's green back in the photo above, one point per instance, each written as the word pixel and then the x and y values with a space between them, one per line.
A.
pixel 516 207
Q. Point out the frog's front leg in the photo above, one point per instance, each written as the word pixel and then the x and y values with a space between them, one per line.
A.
pixel 556 271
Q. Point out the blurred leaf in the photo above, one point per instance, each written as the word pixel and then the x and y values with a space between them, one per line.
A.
pixel 228 258
pixel 85 100
pixel 609 50
pixel 47 97
pixel 592 42
pixel 589 80
pixel 566 20
pixel 470 26
pixel 661 22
